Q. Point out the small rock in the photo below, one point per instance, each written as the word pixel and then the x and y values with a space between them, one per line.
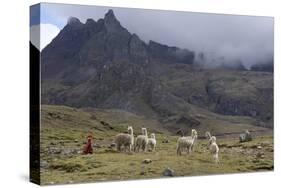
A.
pixel 97 146
pixel 113 145
pixel 76 141
pixel 52 144
pixel 245 137
pixel 147 161
pixel 259 147
pixel 260 155
pixel 54 151
pixel 168 172
pixel 70 152
pixel 43 164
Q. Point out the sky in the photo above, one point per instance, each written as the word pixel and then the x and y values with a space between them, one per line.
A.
pixel 247 38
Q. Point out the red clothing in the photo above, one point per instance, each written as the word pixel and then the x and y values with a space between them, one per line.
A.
pixel 88 149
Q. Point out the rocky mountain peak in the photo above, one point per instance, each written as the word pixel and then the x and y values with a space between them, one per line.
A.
pixel 111 22
pixel 73 21
pixel 90 21
pixel 110 15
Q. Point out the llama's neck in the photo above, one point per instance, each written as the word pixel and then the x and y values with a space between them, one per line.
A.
pixel 145 132
pixel 194 137
pixel 131 132
pixel 208 135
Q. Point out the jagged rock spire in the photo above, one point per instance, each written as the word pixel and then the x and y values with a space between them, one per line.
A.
pixel 109 16
pixel 111 23
pixel 73 21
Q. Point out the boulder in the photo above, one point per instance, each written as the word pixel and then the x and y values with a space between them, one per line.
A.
pixel 245 137
pixel 169 172
pixel 147 161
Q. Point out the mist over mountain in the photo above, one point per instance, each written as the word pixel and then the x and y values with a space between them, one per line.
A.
pixel 100 64
pixel 247 39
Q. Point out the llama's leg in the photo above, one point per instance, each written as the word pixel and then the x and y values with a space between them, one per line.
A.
pixel 178 151
pixel 189 149
pixel 216 157
pixel 118 147
pixel 145 147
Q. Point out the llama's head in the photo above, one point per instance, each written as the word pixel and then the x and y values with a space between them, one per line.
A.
pixel 208 135
pixel 144 131
pixel 152 135
pixel 130 129
pixel 193 133
pixel 213 139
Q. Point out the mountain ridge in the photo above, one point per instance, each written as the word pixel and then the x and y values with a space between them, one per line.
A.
pixel 101 64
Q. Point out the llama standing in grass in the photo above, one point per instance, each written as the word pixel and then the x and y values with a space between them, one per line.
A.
pixel 126 140
pixel 186 143
pixel 152 142
pixel 208 137
pixel 214 148
pixel 141 141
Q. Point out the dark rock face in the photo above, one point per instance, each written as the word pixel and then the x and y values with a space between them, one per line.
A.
pixel 236 65
pixel 95 44
pixel 137 50
pixel 266 67
pixel 173 54
pixel 101 64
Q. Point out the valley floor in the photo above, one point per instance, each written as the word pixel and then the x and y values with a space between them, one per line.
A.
pixel 108 165
pixel 64 131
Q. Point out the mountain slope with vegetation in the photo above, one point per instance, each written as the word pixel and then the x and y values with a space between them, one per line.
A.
pixel 100 64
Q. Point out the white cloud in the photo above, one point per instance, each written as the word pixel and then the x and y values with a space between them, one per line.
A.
pixel 247 38
pixel 47 33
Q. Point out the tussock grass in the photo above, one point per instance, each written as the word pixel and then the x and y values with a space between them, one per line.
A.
pixel 69 130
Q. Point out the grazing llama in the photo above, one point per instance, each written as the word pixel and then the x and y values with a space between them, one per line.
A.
pixel 214 148
pixel 126 140
pixel 141 141
pixel 152 142
pixel 186 143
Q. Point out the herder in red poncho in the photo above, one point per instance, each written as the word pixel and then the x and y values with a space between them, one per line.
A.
pixel 88 149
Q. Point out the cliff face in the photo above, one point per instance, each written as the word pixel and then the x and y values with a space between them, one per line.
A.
pixel 101 64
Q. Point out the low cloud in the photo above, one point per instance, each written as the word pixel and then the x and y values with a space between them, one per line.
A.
pixel 41 35
pixel 231 37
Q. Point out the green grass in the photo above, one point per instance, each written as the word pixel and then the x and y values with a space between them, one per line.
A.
pixel 64 128
pixel 106 164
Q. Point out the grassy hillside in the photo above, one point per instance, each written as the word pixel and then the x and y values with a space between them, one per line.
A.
pixel 63 135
